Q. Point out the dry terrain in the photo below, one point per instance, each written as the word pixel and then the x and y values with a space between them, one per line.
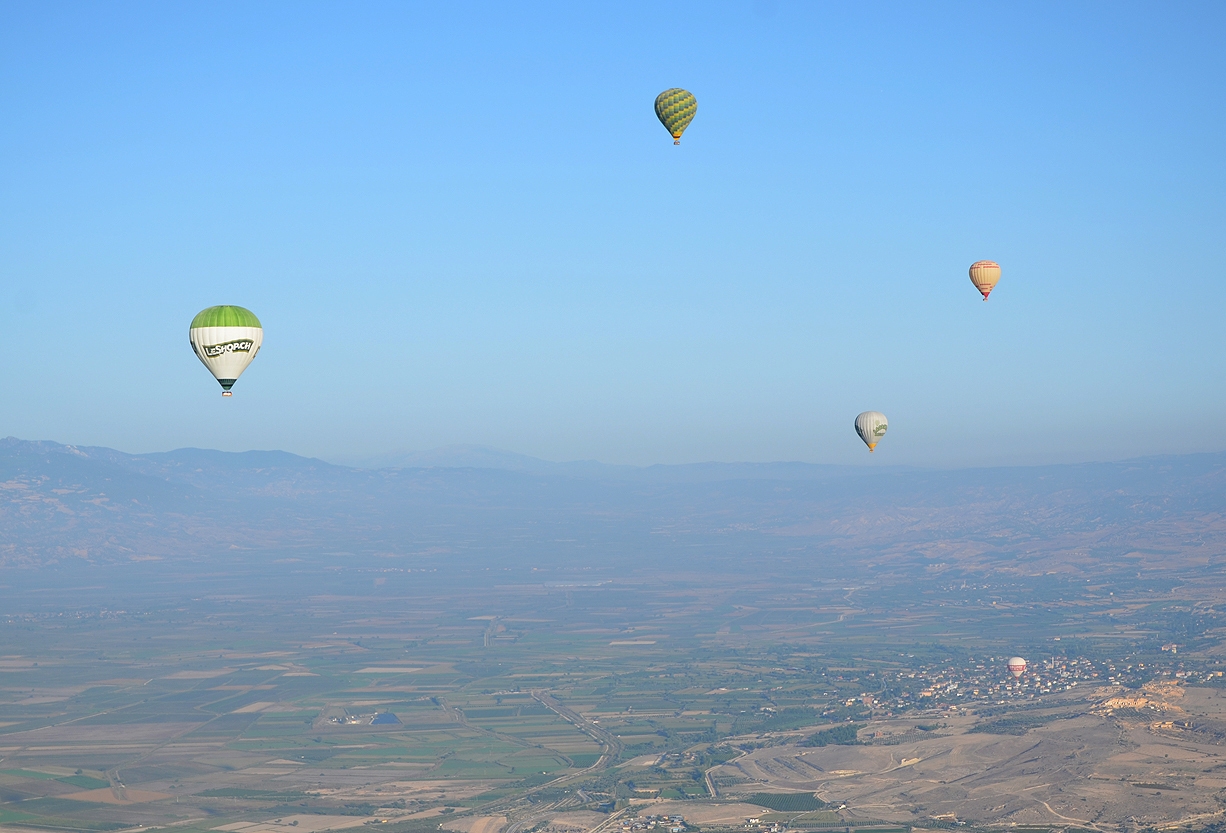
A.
pixel 1112 764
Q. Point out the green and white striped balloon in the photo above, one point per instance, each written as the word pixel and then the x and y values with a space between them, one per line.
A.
pixel 676 108
pixel 226 339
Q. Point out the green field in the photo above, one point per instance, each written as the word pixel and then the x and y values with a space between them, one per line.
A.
pixel 237 709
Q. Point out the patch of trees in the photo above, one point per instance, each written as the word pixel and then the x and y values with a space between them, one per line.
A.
pixel 1019 725
pixel 787 802
pixel 844 735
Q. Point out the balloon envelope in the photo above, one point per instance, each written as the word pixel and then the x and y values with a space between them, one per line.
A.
pixel 871 426
pixel 1017 666
pixel 985 274
pixel 675 108
pixel 226 339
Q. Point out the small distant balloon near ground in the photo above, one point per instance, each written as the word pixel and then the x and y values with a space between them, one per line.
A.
pixel 675 108
pixel 871 426
pixel 225 339
pixel 1017 667
pixel 985 274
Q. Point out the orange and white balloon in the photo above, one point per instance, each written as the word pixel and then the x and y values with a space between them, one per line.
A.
pixel 985 274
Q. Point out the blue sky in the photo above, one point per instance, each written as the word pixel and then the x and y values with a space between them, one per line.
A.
pixel 462 223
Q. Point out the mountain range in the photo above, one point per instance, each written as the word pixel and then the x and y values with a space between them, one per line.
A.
pixel 474 508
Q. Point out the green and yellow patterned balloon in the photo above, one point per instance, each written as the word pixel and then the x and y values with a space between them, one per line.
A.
pixel 676 108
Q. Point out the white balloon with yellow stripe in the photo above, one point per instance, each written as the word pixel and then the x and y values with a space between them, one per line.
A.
pixel 871 426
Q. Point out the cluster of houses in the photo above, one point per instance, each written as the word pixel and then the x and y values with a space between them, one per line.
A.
pixel 376 719
pixel 673 824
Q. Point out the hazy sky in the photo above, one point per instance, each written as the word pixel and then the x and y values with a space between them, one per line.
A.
pixel 462 223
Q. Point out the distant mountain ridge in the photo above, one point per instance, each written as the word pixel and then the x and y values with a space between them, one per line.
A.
pixel 182 462
pixel 486 457
pixel 62 504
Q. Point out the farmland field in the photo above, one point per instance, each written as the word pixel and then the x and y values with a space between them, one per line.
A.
pixel 563 700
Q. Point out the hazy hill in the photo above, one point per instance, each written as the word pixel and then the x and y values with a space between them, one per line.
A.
pixel 64 504
pixel 484 457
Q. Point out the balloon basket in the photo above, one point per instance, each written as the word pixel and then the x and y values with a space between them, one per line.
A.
pixel 226 393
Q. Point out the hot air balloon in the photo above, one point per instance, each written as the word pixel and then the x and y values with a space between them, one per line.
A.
pixel 226 339
pixel 1017 667
pixel 676 108
pixel 871 426
pixel 985 274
